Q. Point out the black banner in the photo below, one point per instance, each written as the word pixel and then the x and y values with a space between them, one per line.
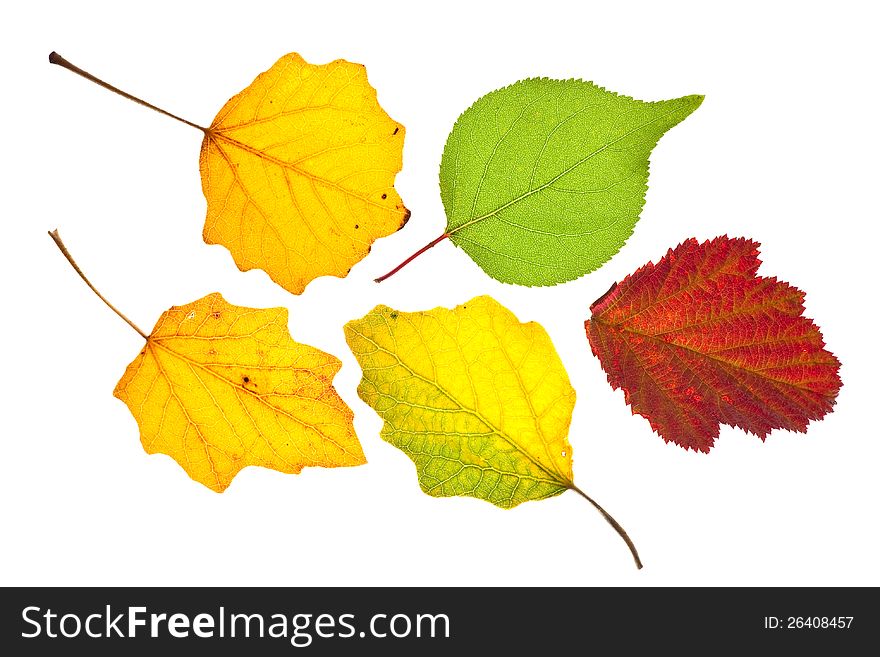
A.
pixel 419 621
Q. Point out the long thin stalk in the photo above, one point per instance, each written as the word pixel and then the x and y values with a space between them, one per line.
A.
pixel 611 521
pixel 415 255
pixel 57 239
pixel 55 58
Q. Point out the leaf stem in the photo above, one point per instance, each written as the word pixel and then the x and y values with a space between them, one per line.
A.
pixel 55 58
pixel 415 255
pixel 611 521
pixel 57 239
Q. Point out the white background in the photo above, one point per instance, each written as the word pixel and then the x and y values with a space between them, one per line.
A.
pixel 783 150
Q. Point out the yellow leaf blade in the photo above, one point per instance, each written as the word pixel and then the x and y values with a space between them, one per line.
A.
pixel 298 172
pixel 479 401
pixel 221 387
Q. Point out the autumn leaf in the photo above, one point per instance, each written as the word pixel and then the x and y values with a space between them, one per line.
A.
pixel 220 387
pixel 298 170
pixel 544 180
pixel 699 340
pixel 479 401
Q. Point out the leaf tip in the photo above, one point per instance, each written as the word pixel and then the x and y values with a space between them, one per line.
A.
pixel 603 297
pixel 692 102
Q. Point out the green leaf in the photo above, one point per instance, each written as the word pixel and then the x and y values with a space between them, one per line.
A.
pixel 478 400
pixel 543 181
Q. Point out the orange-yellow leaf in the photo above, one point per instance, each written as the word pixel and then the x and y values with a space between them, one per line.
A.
pixel 220 387
pixel 298 171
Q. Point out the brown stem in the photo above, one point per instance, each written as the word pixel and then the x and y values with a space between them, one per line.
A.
pixel 611 521
pixel 55 58
pixel 415 255
pixel 57 239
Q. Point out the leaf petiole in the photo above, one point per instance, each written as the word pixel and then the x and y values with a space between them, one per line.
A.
pixel 55 58
pixel 611 521
pixel 57 239
pixel 415 255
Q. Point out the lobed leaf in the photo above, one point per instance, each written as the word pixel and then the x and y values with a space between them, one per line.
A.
pixel 699 340
pixel 221 387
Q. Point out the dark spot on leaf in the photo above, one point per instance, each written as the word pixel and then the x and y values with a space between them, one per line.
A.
pixel 356 226
pixel 396 130
pixel 393 314
pixel 215 315
pixel 246 379
pixel 384 195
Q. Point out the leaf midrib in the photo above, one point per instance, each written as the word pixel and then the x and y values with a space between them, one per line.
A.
pixel 732 369
pixel 721 361
pixel 155 342
pixel 565 172
pixel 554 477
pixel 217 136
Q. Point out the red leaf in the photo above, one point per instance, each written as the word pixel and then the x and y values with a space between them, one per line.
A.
pixel 698 340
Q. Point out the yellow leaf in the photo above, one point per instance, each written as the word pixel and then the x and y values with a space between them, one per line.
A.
pixel 220 387
pixel 298 171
